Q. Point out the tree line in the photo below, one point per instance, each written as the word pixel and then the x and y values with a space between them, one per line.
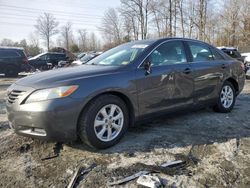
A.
pixel 225 22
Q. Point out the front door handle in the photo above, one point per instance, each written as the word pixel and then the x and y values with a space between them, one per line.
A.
pixel 187 71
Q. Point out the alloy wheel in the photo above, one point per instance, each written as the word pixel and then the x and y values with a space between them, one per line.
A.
pixel 108 122
pixel 227 96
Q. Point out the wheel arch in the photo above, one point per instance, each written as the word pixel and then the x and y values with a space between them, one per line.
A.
pixel 234 83
pixel 122 96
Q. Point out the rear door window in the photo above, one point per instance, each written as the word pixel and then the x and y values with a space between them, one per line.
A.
pixel 43 57
pixel 8 54
pixel 200 52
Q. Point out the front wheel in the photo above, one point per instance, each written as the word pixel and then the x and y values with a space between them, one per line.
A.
pixel 226 100
pixel 104 122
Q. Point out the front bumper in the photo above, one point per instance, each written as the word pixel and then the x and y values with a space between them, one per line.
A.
pixel 50 120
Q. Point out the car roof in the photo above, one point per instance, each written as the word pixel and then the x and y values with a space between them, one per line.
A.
pixel 10 48
pixel 56 53
pixel 245 54
pixel 151 41
pixel 227 48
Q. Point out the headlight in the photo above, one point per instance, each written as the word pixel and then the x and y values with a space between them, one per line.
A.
pixel 51 93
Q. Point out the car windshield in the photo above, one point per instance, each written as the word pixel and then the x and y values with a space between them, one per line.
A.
pixel 87 57
pixel 35 57
pixel 121 55
pixel 81 55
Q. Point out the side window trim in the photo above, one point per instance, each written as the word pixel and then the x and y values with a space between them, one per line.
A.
pixel 166 41
pixel 188 52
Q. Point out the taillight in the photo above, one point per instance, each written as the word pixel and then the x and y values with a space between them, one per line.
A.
pixel 242 66
pixel 25 60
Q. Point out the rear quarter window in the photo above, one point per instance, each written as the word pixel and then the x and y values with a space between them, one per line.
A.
pixel 217 55
pixel 9 54
pixel 22 53
pixel 200 52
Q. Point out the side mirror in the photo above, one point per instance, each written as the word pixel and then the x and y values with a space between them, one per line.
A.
pixel 147 66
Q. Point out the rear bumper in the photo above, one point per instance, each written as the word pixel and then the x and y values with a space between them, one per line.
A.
pixel 54 120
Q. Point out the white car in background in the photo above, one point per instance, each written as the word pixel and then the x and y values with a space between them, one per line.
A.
pixel 84 59
pixel 246 57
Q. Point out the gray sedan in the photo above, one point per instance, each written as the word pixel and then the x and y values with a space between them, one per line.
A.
pixel 98 101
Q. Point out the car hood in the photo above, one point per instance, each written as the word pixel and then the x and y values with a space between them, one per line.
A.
pixel 64 76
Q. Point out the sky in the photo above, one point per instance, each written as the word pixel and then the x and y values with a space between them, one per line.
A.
pixel 18 17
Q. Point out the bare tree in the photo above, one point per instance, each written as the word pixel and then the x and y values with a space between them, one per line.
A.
pixel 224 22
pixel 111 26
pixel 6 42
pixel 244 26
pixel 93 42
pixel 83 39
pixel 47 27
pixel 140 10
pixel 180 7
pixel 33 39
pixel 131 23
pixel 66 32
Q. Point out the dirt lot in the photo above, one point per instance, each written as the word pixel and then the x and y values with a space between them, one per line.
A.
pixel 216 148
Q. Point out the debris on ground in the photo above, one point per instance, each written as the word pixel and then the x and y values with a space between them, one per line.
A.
pixel 129 178
pixel 149 181
pixel 172 163
pixel 57 149
pixel 215 151
pixel 171 168
pixel 79 175
pixel 24 148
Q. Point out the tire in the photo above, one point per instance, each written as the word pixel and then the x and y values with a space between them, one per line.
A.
pixel 92 121
pixel 226 103
pixel 11 71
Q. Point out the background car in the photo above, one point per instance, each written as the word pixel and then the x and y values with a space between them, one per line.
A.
pixel 232 52
pixel 246 57
pixel 47 60
pixel 12 61
pixel 86 58
pixel 79 56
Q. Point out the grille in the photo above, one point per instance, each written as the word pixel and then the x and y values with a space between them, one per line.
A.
pixel 13 95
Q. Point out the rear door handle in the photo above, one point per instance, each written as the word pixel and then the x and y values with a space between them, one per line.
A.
pixel 187 71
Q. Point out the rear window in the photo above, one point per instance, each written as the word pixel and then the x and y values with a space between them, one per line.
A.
pixel 9 53
pixel 22 53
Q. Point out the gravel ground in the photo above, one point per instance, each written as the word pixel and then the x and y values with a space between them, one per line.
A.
pixel 214 146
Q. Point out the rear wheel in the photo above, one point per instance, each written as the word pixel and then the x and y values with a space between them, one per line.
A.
pixel 11 71
pixel 226 100
pixel 104 122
